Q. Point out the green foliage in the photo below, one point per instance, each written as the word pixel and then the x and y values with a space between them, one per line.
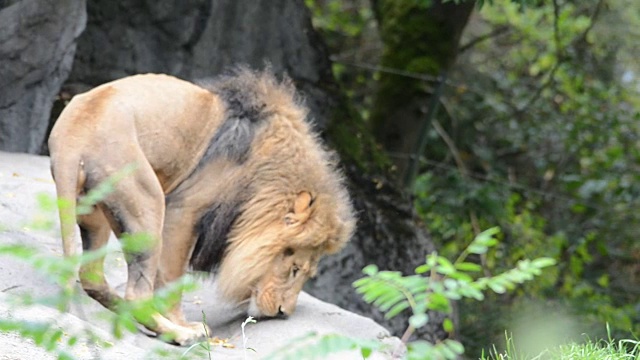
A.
pixel 548 134
pixel 345 25
pixel 339 21
pixel 60 271
pixel 63 271
pixel 47 334
pixel 438 282
pixel 626 349
pixel 542 109
pixel 44 334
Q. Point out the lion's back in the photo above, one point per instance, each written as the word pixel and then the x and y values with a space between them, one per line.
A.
pixel 170 120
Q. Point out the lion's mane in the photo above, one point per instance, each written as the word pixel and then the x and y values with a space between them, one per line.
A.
pixel 266 131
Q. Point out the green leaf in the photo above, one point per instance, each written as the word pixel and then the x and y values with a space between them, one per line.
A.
pixel 423 269
pixel 497 287
pixel 461 277
pixel 445 266
pixel 397 309
pixel 468 267
pixel 386 301
pixel 471 292
pixel 418 320
pixel 365 352
pixel 370 270
pixel 455 346
pixel 477 249
pixel 63 355
pixel 72 341
pixel 543 262
pixel 439 302
pixel 447 325
pixel 419 350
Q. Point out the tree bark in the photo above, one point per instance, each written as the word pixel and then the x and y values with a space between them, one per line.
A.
pixel 419 40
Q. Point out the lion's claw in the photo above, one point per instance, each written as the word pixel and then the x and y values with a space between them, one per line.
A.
pixel 188 336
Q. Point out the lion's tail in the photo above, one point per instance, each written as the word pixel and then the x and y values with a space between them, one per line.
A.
pixel 69 178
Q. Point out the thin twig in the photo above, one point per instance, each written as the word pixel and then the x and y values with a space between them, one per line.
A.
pixel 491 34
pixel 388 70
pixel 556 27
pixel 421 144
pixel 10 288
pixel 594 16
pixel 559 59
pixel 407 334
pixel 462 168
pixel 451 145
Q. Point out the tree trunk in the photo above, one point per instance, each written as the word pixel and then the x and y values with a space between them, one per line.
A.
pixel 418 40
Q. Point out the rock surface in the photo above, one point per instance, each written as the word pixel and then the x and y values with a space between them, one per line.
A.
pixel 37 46
pixel 22 177
pixel 193 39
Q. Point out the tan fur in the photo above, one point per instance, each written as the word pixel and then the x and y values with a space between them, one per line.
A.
pixel 297 210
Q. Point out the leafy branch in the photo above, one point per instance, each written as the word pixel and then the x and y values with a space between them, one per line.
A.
pixel 392 293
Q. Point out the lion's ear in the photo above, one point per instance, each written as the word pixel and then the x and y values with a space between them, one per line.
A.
pixel 301 209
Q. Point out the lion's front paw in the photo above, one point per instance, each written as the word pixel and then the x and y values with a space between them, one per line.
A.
pixel 199 327
pixel 183 335
pixel 186 336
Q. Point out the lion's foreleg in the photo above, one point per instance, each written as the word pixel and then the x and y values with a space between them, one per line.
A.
pixel 179 240
pixel 95 231
pixel 136 211
pixel 137 207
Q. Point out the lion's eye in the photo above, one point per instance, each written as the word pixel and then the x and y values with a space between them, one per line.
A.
pixel 294 271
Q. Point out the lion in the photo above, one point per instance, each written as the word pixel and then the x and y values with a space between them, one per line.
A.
pixel 229 178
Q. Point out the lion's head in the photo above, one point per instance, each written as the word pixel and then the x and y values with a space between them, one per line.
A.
pixel 276 293
pixel 269 267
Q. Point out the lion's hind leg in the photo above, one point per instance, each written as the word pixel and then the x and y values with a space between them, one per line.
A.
pixel 95 232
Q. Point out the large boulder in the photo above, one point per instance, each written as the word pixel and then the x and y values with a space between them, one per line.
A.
pixel 22 179
pixel 37 46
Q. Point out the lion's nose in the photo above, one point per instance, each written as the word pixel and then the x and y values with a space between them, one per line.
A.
pixel 282 314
